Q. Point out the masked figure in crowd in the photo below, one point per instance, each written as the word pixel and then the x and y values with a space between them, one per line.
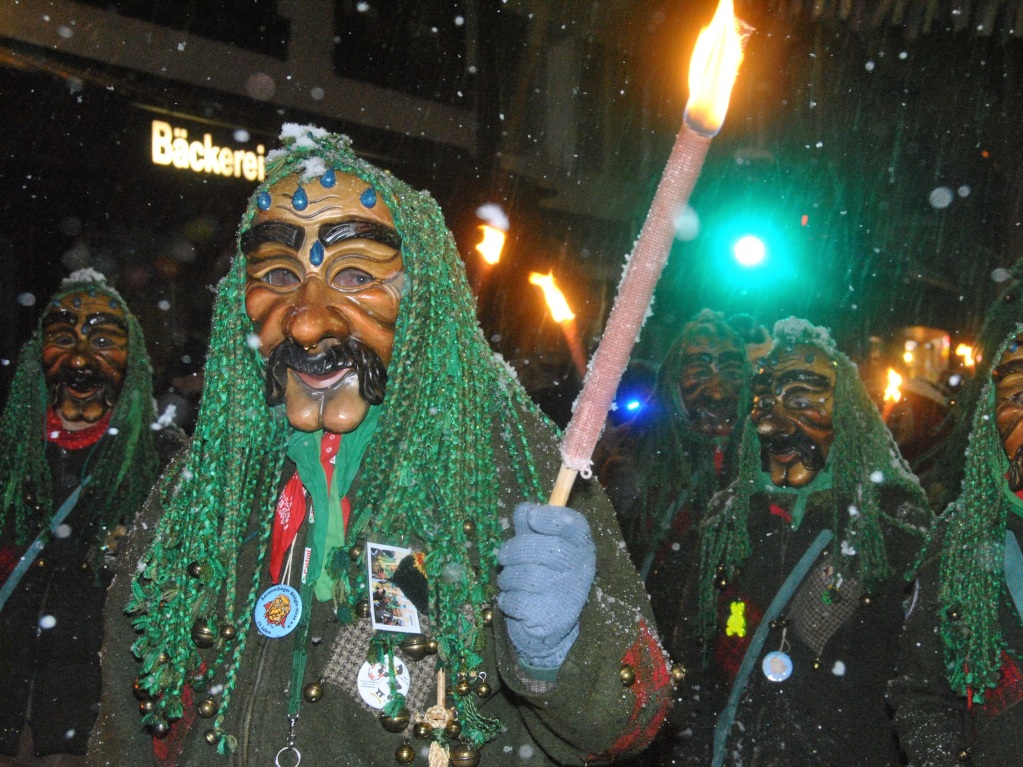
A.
pixel 961 680
pixel 79 459
pixel 661 468
pixel 792 636
pixel 354 475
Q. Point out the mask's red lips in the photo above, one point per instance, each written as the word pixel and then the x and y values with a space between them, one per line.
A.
pixel 322 382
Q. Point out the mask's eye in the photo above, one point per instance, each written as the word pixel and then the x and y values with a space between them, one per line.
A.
pixel 280 278
pixel 352 278
pixel 63 339
pixel 101 342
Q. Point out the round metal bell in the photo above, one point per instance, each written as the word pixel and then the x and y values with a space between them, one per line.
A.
pixel 362 608
pixel 468 527
pixel 464 755
pixel 405 754
pixel 227 631
pixel 422 730
pixel 395 723
pixel 139 691
pixel 483 689
pixel 312 692
pixel 146 707
pixel 453 729
pixel 355 552
pixel 203 635
pixel 487 614
pixel 462 687
pixel 207 708
pixel 211 737
pixel 415 647
pixel 627 675
pixel 195 569
pixel 160 729
pixel 432 646
pixel 678 673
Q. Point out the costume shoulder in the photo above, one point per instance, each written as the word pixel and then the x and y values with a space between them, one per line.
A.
pixel 117 739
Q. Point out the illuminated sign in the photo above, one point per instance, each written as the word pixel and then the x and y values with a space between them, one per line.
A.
pixel 172 147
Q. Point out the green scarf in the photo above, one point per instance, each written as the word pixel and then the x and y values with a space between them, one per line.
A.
pixel 819 483
pixel 328 532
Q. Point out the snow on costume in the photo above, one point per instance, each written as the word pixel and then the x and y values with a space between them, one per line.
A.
pixel 429 448
pixel 662 468
pixel 79 459
pixel 791 639
pixel 961 680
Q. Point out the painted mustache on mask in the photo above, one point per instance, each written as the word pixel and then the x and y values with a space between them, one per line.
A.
pixel 810 454
pixel 369 368
pixel 82 380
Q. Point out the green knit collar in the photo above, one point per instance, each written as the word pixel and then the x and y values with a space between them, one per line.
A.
pixel 819 484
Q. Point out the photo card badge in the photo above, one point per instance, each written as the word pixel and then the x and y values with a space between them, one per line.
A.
pixel 391 609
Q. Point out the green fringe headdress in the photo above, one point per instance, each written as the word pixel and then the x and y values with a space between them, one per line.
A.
pixel 863 447
pixel 123 469
pixel 1001 318
pixel 971 581
pixel 433 463
pixel 672 457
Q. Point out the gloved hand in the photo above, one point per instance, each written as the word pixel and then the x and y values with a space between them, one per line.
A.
pixel 549 566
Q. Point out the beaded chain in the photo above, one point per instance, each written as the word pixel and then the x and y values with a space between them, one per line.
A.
pixel 431 473
pixel 863 445
pixel 123 469
pixel 971 581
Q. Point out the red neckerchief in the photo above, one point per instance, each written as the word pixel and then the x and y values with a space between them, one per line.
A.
pixel 75 440
pixel 291 506
pixel 719 459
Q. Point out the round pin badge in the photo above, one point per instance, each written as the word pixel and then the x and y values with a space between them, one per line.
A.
pixel 278 610
pixel 375 685
pixel 777 666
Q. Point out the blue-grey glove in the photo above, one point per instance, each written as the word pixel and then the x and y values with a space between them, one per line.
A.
pixel 549 566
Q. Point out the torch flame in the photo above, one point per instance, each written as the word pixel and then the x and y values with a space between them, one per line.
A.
pixel 892 392
pixel 966 352
pixel 713 68
pixel 553 295
pixel 492 244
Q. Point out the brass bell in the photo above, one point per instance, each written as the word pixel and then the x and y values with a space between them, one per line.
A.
pixel 422 730
pixel 395 723
pixel 963 755
pixel 146 706
pixel 721 582
pixel 312 692
pixel 362 608
pixel 678 673
pixel 954 615
pixel 195 569
pixel 432 646
pixel 355 552
pixel 203 635
pixel 227 631
pixel 627 675
pixel 464 755
pixel 139 691
pixel 405 754
pixel 207 708
pixel 159 728
pixel 817 663
pixel 866 600
pixel 462 687
pixel 453 729
pixel 162 658
pixel 468 527
pixel 483 689
pixel 211 737
pixel 487 614
pixel 414 647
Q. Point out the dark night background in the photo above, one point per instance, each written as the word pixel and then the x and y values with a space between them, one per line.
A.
pixel 846 119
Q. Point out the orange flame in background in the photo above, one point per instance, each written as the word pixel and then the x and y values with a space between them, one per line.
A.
pixel 492 244
pixel 892 392
pixel 713 68
pixel 552 295
pixel 966 352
